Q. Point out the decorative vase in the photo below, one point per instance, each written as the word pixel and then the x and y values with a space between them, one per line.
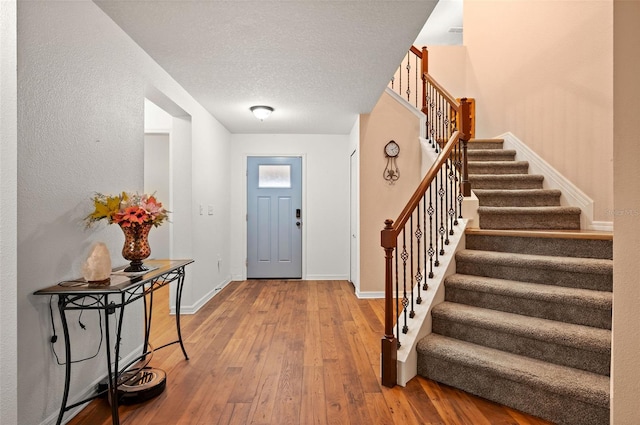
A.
pixel 136 246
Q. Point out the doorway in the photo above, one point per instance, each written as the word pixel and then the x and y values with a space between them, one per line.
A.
pixel 274 217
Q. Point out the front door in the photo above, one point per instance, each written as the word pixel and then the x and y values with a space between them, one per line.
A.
pixel 274 217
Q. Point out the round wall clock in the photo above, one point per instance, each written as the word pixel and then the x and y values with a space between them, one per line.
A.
pixel 391 171
pixel 392 149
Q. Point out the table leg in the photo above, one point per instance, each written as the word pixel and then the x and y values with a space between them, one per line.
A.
pixel 178 303
pixel 67 356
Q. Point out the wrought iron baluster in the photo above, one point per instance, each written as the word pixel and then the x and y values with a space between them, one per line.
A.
pixel 417 85
pixel 452 203
pixel 412 313
pixel 441 194
pixel 408 79
pixel 405 301
pixel 430 211
pixel 419 275
pixel 436 263
pixel 397 301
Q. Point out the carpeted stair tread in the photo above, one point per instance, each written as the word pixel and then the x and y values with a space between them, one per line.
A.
pixel 571 305
pixel 498 167
pixel 582 347
pixel 541 245
pixel 562 394
pixel 568 334
pixel 518 198
pixel 548 262
pixel 505 181
pixel 491 155
pixel 554 217
pixel 596 300
pixel 485 144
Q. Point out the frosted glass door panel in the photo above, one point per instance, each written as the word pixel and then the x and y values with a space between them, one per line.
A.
pixel 274 176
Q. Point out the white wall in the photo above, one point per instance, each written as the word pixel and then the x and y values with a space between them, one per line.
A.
pixel 82 83
pixel 8 198
pixel 325 198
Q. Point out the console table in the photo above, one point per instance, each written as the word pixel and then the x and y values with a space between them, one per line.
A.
pixel 124 289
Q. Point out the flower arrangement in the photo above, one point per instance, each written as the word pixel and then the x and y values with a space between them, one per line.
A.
pixel 127 209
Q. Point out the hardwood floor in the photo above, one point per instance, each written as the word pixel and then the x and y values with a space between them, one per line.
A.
pixel 289 352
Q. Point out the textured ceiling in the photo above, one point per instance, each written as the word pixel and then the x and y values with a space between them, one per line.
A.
pixel 318 63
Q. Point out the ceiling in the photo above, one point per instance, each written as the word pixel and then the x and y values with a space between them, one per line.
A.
pixel 318 63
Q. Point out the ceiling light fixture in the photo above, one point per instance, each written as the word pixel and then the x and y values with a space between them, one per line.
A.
pixel 261 112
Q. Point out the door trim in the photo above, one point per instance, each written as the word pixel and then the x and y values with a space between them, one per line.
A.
pixel 304 208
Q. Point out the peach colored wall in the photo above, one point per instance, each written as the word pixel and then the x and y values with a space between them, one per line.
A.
pixel 388 120
pixel 543 70
pixel 625 372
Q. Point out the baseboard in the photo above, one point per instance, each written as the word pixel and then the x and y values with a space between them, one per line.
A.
pixel 369 294
pixel 605 226
pixel 193 309
pixel 571 194
pixel 327 277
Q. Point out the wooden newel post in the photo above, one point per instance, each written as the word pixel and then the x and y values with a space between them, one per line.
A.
pixel 424 72
pixel 389 342
pixel 465 129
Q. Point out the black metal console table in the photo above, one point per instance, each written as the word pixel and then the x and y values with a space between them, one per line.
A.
pixel 122 291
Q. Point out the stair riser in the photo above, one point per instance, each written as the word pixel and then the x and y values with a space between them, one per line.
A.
pixel 542 350
pixel 568 313
pixel 506 200
pixel 540 402
pixel 583 248
pixel 491 182
pixel 569 221
pixel 506 167
pixel 547 276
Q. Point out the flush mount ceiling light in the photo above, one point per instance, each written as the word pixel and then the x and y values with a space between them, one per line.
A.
pixel 261 112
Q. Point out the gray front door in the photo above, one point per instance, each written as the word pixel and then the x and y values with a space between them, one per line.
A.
pixel 274 217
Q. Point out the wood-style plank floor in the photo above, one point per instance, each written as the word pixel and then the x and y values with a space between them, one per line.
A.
pixel 289 353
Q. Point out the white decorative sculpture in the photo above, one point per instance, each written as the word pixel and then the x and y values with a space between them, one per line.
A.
pixel 97 268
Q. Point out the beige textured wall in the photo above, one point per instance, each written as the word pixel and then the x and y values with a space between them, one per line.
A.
pixel 543 70
pixel 388 120
pixel 626 288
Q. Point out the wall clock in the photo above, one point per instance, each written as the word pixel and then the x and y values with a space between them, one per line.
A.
pixel 391 171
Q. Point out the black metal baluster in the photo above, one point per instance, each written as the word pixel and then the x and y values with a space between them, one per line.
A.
pixel 412 313
pixel 405 301
pixel 436 263
pixel 417 85
pixel 408 78
pixel 452 203
pixel 419 276
pixel 441 193
pixel 397 300
pixel 430 212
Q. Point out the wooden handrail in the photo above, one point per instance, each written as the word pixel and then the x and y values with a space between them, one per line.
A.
pixel 389 234
pixel 450 99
